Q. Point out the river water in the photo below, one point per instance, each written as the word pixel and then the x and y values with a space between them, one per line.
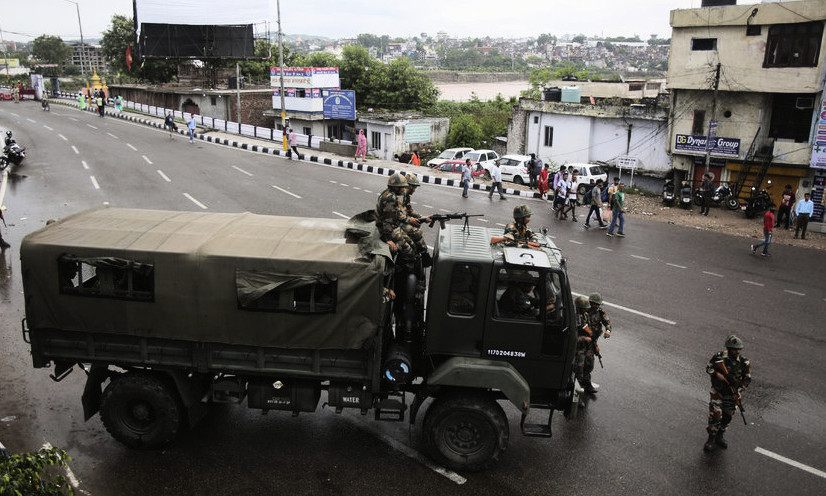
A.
pixel 460 92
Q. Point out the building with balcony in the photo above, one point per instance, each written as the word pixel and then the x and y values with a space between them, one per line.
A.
pixel 771 59
pixel 91 57
pixel 304 102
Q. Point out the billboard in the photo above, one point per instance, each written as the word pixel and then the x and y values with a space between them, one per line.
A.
pixel 417 132
pixel 818 160
pixel 729 147
pixel 306 77
pixel 339 104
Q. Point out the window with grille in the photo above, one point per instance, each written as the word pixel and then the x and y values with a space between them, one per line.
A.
pixel 294 293
pixel 793 45
pixel 549 136
pixel 375 140
pixel 106 277
pixel 698 124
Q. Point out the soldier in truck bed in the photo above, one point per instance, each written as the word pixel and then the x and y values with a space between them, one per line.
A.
pixel 517 232
pixel 412 227
pixel 391 217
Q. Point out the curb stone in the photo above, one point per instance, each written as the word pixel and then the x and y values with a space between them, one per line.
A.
pixel 355 166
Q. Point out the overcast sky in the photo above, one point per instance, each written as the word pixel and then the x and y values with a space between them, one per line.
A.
pixel 26 19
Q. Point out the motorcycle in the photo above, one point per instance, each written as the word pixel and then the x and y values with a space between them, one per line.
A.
pixel 668 193
pixel 758 202
pixel 14 152
pixel 685 196
pixel 720 196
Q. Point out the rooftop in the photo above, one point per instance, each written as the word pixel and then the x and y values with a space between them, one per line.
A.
pixel 739 15
pixel 605 111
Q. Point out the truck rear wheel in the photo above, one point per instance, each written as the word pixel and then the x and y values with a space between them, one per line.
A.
pixel 466 431
pixel 141 411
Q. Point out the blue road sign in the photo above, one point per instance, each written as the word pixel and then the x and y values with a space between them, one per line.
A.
pixel 339 104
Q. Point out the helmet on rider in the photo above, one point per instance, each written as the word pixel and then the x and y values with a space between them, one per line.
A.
pixel 397 181
pixel 581 302
pixel 595 298
pixel 412 180
pixel 521 211
pixel 733 342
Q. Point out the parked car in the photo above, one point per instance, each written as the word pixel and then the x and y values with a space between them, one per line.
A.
pixel 587 172
pixel 514 168
pixel 456 166
pixel 449 154
pixel 485 158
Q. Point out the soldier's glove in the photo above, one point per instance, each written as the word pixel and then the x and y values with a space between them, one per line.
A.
pixel 393 246
pixel 413 221
pixel 607 333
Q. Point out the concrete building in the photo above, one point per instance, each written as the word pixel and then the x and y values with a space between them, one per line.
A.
pixel 92 56
pixel 395 134
pixel 771 59
pixel 562 133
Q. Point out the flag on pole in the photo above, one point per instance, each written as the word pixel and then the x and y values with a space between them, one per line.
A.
pixel 129 57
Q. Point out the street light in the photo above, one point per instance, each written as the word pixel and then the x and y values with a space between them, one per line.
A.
pixel 82 45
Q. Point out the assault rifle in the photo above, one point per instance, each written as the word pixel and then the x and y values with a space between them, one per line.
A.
pixel 441 218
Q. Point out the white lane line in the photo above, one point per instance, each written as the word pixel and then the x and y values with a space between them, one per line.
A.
pixel 93 127
pixel 635 312
pixel 31 120
pixel 427 206
pixel 677 266
pixel 345 185
pixel 356 187
pixel 500 224
pixel 797 293
pixel 74 149
pixel 132 147
pixel 94 182
pixel 16 115
pixel 3 186
pixel 413 203
pixel 63 137
pixel 55 113
pixel 334 182
pixel 70 475
pixel 73 119
pixel 47 127
pixel 112 135
pixel 288 192
pixel 147 159
pixel 640 257
pixel 164 176
pixel 242 171
pixel 341 215
pixel 753 283
pixel 482 220
pixel 404 449
pixel 444 210
pixel 84 164
pixel 196 202
pixel 575 242
pixel 367 191
pixel 604 248
pixel 789 461
pixel 713 274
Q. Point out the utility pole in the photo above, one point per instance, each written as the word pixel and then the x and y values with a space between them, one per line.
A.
pixel 82 45
pixel 712 124
pixel 238 95
pixel 5 53
pixel 281 65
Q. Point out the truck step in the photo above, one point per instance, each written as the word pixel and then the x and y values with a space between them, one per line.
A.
pixel 536 430
pixel 391 409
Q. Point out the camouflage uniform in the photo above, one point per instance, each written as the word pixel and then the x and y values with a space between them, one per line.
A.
pixel 723 394
pixel 390 215
pixel 413 232
pixel 517 232
pixel 584 359
pixel 596 316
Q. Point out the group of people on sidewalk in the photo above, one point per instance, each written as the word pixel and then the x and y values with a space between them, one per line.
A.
pixel 803 210
pixel 98 101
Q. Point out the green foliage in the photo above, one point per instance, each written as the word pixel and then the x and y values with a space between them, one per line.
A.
pixel 120 35
pixel 51 50
pixel 580 38
pixel 489 119
pixel 368 40
pixel 540 77
pixel 472 59
pixel 464 131
pixel 27 474
pixel 634 39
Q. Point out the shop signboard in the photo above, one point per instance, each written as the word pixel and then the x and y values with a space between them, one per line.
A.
pixel 818 160
pixel 340 104
pixel 305 77
pixel 729 147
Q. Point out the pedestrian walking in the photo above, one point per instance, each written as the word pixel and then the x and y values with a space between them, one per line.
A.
pixel 768 225
pixel 571 200
pixel 466 178
pixel 496 178
pixel 730 375
pixel 119 103
pixel 560 196
pixel 784 211
pixel 15 94
pixel 532 171
pixel 190 128
pixel 292 138
pixel 611 190
pixel 361 146
pixel 100 101
pixel 804 209
pixel 596 205
pixel 706 190
pixel 618 212
pixel 81 101
pixel 542 181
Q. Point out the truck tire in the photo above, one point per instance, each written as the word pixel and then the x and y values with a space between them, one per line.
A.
pixel 141 411
pixel 466 432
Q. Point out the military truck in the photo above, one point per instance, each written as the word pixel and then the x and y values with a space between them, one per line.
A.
pixel 170 312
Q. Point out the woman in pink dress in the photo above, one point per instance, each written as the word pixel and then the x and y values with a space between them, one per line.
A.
pixel 361 146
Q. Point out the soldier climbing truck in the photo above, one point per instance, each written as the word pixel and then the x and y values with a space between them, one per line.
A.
pixel 170 312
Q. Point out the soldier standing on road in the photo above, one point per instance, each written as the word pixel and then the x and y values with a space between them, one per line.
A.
pixel 517 232
pixel 390 216
pixel 730 373
pixel 600 326
pixel 584 360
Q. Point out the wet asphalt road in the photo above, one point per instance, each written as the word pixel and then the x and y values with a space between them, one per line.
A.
pixel 681 292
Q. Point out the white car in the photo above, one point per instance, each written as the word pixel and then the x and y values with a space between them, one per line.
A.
pixel 449 154
pixel 514 168
pixel 483 158
pixel 587 172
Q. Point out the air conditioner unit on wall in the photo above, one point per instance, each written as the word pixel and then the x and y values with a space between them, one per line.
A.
pixel 804 102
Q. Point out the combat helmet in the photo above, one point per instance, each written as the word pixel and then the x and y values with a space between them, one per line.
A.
pixel 412 180
pixel 595 298
pixel 734 342
pixel 581 302
pixel 521 211
pixel 397 181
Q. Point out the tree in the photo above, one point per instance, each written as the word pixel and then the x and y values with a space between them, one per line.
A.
pixel 580 38
pixel 51 49
pixel 120 35
pixel 464 131
pixel 28 473
pixel 402 87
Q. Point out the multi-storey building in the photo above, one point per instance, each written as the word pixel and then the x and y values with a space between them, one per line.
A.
pixel 91 56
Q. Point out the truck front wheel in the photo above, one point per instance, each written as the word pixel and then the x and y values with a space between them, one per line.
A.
pixel 466 431
pixel 141 411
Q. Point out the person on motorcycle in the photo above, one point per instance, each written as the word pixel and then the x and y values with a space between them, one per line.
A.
pixel 9 139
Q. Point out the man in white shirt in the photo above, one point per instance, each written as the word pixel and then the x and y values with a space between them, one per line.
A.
pixel 561 195
pixel 804 209
pixel 496 178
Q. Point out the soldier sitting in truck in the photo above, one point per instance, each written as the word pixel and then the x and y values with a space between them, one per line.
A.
pixel 519 300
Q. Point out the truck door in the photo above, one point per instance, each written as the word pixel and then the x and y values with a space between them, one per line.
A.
pixel 513 331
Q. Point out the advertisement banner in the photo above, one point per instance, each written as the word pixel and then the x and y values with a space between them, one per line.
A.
pixel 417 132
pixel 729 147
pixel 818 160
pixel 340 104
pixel 817 197
pixel 305 77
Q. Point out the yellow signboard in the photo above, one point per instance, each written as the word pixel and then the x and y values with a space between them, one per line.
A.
pixel 11 63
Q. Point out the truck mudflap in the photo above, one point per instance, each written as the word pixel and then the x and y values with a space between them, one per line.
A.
pixel 480 373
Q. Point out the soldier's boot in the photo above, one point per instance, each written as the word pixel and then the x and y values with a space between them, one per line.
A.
pixel 589 388
pixel 709 446
pixel 719 440
pixel 3 244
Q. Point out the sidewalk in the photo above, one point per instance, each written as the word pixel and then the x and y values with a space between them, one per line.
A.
pixel 371 166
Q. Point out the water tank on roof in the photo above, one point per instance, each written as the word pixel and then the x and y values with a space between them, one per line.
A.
pixel 571 94
pixel 717 3
pixel 552 94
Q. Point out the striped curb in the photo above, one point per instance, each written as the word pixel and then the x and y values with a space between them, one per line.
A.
pixel 370 169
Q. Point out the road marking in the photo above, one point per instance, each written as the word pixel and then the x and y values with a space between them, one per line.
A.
pixel 635 312
pixel 444 210
pixel 640 257
pixel 341 215
pixel 47 127
pixel 356 187
pixel 94 182
pixel 242 171
pixel 791 462
pixel 334 182
pixel 84 164
pixel 482 220
pixel 70 475
pixel 753 283
pixel 345 185
pixel 196 202
pixel 713 274
pixel 16 115
pixel 74 149
pixel 427 206
pixel 73 119
pixel 500 224
pixel 132 147
pixel 63 137
pixel 575 242
pixel 288 192
pixel 164 176
pixel 677 266
pixel 604 248
pixel 112 135
pixel 794 292
pixel 367 191
pixel 147 159
pixel 93 127
pixel 55 113
pixel 3 186
pixel 31 120
pixel 373 428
